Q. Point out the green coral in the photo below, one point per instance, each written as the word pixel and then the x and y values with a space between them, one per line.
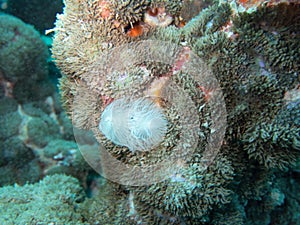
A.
pixel 276 144
pixel 41 130
pixel 67 158
pixel 23 53
pixel 9 125
pixel 108 206
pixel 17 162
pixel 53 200
pixel 8 105
pixel 23 61
pixel 207 22
pixel 57 146
pixel 192 193
pixel 272 33
pixel 256 65
pixel 20 171
pixel 15 152
pixel 26 90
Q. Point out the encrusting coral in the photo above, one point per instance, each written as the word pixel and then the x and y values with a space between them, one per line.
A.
pixel 245 68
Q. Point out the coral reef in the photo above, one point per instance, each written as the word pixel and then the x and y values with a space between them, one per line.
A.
pixel 31 117
pixel 52 200
pixel 33 143
pixel 275 143
pixel 23 54
pixel 64 201
pixel 268 74
pixel 245 72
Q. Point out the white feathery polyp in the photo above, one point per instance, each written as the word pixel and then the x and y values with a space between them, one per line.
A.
pixel 137 124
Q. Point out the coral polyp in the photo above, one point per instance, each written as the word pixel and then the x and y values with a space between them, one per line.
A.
pixel 137 124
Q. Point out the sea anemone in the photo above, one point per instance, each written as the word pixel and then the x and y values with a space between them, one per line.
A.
pixel 137 124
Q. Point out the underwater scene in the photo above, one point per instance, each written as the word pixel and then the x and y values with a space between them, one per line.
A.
pixel 149 112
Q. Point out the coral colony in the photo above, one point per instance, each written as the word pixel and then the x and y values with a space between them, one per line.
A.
pixel 249 47
pixel 115 53
pixel 189 110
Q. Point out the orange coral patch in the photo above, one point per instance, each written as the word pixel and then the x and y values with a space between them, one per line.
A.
pixel 181 24
pixel 135 31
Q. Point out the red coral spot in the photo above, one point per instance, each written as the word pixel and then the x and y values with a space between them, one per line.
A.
pixel 136 31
